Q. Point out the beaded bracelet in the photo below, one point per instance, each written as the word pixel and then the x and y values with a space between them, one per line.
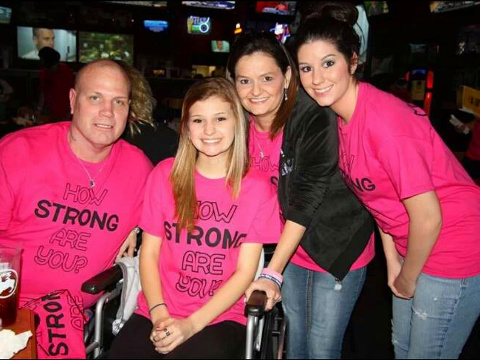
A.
pixel 155 306
pixel 271 278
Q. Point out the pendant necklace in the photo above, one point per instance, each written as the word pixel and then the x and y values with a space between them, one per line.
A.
pixel 91 179
pixel 262 154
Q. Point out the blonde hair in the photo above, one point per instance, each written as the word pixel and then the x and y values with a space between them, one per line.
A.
pixel 183 173
pixel 142 102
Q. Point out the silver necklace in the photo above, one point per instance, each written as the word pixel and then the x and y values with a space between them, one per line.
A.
pixel 262 154
pixel 91 178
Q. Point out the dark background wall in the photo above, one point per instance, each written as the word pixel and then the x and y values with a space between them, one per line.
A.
pixel 390 35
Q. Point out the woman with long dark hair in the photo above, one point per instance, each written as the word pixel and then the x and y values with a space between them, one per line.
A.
pixel 426 206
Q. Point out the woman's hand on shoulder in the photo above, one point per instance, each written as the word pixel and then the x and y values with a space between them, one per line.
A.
pixel 269 287
pixel 170 333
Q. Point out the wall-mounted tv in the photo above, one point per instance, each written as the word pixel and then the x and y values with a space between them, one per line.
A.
pixel 31 40
pixel 158 4
pixel 220 46
pixel 198 25
pixel 281 31
pixel 375 7
pixel 442 6
pixel 93 46
pixel 223 5
pixel 5 15
pixel 156 26
pixel 276 7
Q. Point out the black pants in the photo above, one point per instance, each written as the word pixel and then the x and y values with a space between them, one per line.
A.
pixel 225 340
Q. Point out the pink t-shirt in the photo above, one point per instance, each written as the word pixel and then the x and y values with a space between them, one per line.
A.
pixel 389 152
pixel 68 231
pixel 264 152
pixel 194 266
pixel 265 155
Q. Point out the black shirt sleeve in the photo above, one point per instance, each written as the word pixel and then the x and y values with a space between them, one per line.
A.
pixel 315 146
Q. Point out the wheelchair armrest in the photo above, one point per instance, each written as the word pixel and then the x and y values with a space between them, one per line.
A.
pixel 256 304
pixel 103 280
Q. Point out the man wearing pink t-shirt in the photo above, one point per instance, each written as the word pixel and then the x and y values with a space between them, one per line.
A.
pixel 71 192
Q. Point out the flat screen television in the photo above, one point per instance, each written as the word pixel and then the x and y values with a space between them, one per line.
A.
pixel 94 45
pixel 281 31
pixel 30 40
pixel 375 7
pixel 220 46
pixel 223 5
pixel 276 7
pixel 5 15
pixel 157 4
pixel 160 4
pixel 442 6
pixel 156 26
pixel 198 25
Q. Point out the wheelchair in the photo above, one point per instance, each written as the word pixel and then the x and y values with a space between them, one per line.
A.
pixel 265 330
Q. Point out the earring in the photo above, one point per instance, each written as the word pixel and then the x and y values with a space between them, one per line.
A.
pixel 285 96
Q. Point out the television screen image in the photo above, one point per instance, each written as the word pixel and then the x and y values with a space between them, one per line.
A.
pixel 375 7
pixel 224 5
pixel 160 4
pixel 31 40
pixel 155 25
pixel 198 25
pixel 281 31
pixel 220 46
pixel 442 6
pixel 157 4
pixel 277 7
pixel 93 46
pixel 5 15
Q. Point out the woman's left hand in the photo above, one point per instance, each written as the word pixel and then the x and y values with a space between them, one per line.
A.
pixel 128 246
pixel 403 288
pixel 171 333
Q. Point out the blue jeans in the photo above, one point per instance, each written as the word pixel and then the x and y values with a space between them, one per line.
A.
pixel 437 321
pixel 318 310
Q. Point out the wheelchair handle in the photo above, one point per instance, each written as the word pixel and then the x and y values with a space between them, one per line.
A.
pixel 100 282
pixel 256 304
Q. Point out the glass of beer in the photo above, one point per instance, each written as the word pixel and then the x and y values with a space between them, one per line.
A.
pixel 9 281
